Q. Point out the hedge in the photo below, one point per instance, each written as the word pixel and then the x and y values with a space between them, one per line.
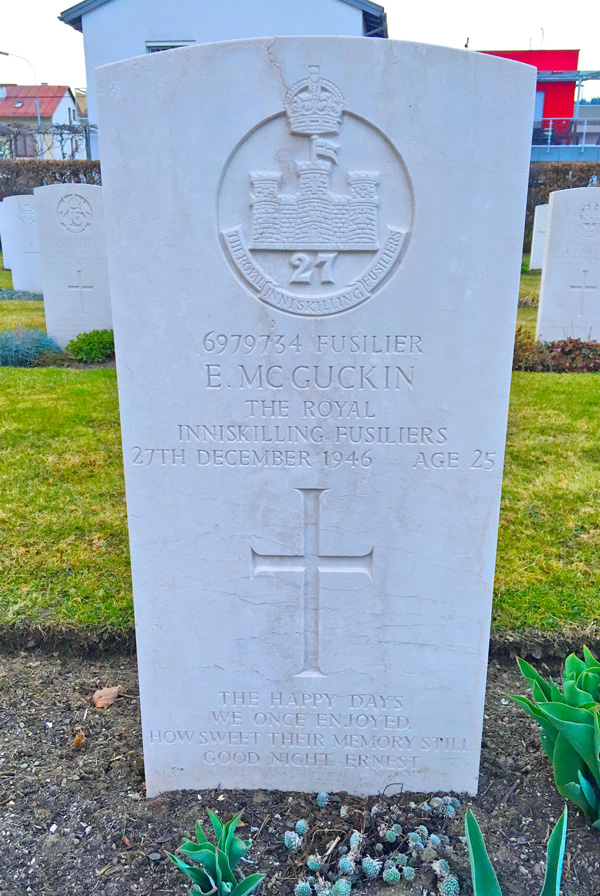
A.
pixel 18 176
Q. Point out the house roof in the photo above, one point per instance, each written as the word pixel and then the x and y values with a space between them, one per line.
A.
pixel 19 101
pixel 374 16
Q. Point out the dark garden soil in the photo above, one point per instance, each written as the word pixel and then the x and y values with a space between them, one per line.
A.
pixel 74 820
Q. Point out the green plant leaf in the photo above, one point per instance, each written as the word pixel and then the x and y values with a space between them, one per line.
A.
pixel 590 659
pixel 532 677
pixel 574 696
pixel 574 665
pixel 548 732
pixel 198 875
pixel 589 793
pixel 555 693
pixel 247 885
pixel 216 823
pixel 219 876
pixel 238 849
pixel 577 725
pixel 224 868
pixel 230 831
pixel 567 764
pixel 555 857
pixel 485 882
pixel 200 836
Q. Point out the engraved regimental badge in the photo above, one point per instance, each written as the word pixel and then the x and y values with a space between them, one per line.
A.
pixel 27 214
pixel 311 225
pixel 74 213
pixel 588 219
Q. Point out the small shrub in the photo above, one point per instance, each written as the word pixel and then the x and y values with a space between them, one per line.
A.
pixel 93 347
pixel 529 354
pixel 570 728
pixel 561 356
pixel 21 295
pixel 23 346
pixel 214 873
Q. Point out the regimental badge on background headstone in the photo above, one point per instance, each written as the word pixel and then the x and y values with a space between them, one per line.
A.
pixel 313 236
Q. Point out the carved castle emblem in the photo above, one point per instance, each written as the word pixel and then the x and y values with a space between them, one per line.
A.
pixel 588 220
pixel 312 240
pixel 74 213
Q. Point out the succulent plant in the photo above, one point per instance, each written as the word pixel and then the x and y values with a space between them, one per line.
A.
pixel 422 831
pixel 356 840
pixel 341 887
pixel 409 873
pixel 322 799
pixel 434 841
pixel 391 836
pixel 391 875
pixel 314 862
pixel 371 867
pixel 400 859
pixel 303 888
pixel 301 827
pixel 450 886
pixel 346 865
pixel 397 829
pixel 292 840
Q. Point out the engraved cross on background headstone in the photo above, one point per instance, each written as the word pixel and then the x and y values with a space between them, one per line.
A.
pixel 79 287
pixel 582 290
pixel 312 563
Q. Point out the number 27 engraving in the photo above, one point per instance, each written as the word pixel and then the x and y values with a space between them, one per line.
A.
pixel 321 263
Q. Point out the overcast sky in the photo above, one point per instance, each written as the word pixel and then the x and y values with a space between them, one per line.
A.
pixel 31 29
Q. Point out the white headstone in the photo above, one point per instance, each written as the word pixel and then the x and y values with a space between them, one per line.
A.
pixel 5 232
pixel 314 345
pixel 24 250
pixel 570 289
pixel 73 253
pixel 538 236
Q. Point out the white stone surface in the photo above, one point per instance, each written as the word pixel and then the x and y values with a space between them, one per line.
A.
pixel 24 250
pixel 6 226
pixel 314 418
pixel 74 266
pixel 538 237
pixel 570 289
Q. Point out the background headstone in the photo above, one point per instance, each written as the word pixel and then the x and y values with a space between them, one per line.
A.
pixel 314 345
pixel 540 218
pixel 24 250
pixel 5 232
pixel 570 289
pixel 74 266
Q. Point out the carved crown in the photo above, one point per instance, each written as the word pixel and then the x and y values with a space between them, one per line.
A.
pixel 314 105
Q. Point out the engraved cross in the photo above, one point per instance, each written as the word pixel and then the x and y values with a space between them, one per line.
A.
pixel 312 563
pixel 582 290
pixel 79 287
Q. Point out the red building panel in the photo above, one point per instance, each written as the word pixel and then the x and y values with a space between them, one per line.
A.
pixel 559 96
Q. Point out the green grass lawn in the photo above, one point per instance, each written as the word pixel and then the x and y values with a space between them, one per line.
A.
pixel 16 313
pixel 526 318
pixel 5 276
pixel 548 567
pixel 65 558
pixel 63 530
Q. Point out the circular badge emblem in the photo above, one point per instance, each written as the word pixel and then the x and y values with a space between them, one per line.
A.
pixel 74 213
pixel 27 214
pixel 588 221
pixel 315 205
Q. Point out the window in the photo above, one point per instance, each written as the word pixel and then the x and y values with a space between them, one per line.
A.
pixel 157 46
pixel 26 146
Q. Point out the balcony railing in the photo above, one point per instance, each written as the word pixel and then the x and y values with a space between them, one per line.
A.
pixel 576 132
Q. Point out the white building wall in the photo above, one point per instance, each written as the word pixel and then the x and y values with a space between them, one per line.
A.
pixel 61 116
pixel 121 29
